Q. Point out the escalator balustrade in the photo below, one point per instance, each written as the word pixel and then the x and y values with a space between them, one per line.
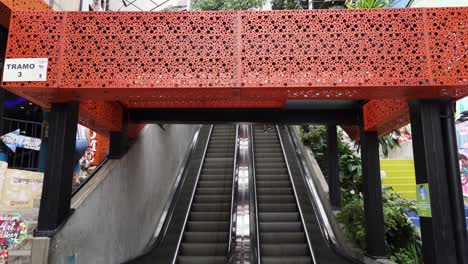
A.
pixel 282 237
pixel 206 236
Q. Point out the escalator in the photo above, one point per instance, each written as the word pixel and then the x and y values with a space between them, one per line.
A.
pixel 282 237
pixel 206 235
pixel 263 212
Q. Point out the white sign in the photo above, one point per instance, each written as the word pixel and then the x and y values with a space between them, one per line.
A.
pixel 25 70
pixel 14 140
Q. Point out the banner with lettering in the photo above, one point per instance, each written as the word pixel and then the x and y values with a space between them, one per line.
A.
pixel 13 230
pixel 21 189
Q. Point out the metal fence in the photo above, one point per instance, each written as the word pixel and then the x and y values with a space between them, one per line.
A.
pixel 25 159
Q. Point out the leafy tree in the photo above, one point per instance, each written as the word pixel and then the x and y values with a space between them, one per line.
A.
pixel 227 4
pixel 352 4
pixel 286 4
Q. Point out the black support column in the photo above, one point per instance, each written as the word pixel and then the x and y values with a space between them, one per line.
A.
pixel 436 163
pixel 57 187
pixel 119 140
pixel 372 191
pixel 333 167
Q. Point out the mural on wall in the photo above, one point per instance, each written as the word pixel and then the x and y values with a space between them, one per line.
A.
pixel 13 230
pixel 20 188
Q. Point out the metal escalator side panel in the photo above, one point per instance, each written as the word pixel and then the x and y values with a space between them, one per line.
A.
pixel 254 227
pixel 165 247
pixel 205 238
pixel 295 195
pixel 314 199
pixel 281 227
pixel 192 195
pixel 232 232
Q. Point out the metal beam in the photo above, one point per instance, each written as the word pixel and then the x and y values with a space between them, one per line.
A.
pixel 436 163
pixel 118 140
pixel 333 168
pixel 372 191
pixel 57 186
pixel 234 115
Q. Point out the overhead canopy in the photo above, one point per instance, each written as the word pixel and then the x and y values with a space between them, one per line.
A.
pixel 246 59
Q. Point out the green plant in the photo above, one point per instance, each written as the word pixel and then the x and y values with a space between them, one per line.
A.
pixel 227 4
pixel 351 216
pixel 285 4
pixel 402 239
pixel 353 4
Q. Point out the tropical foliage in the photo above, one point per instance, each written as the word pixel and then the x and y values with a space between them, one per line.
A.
pixel 402 239
pixel 285 4
pixel 227 4
pixel 352 4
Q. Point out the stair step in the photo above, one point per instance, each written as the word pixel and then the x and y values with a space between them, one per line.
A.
pixel 204 249
pixel 219 226
pixel 201 259
pixel 279 217
pixel 284 249
pixel 206 237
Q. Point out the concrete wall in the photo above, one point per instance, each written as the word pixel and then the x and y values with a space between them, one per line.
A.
pixel 114 221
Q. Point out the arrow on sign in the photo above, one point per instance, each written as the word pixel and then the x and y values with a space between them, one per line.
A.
pixel 14 140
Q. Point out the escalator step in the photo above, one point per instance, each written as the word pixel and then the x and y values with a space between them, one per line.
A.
pixel 212 199
pixel 206 237
pixel 209 216
pixel 204 249
pixel 271 170
pixel 274 207
pixel 279 217
pixel 276 199
pixel 211 207
pixel 216 183
pixel 287 260
pixel 281 227
pixel 206 234
pixel 273 184
pixel 216 177
pixel 211 171
pixel 213 191
pixel 284 249
pixel 201 259
pixel 220 226
pixel 285 237
pixel 275 191
pixel 270 177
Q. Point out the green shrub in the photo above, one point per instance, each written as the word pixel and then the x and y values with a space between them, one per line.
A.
pixel 403 242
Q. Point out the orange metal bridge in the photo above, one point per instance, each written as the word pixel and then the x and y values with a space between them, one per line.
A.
pixel 110 61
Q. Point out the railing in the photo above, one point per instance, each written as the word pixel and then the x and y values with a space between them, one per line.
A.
pixel 25 159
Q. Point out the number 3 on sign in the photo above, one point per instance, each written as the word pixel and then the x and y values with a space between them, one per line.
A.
pixel 25 70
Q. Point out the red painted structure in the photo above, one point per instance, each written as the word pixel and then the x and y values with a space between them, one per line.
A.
pixel 243 59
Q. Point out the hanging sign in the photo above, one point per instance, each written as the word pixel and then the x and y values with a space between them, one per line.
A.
pixel 14 140
pixel 25 70
pixel 13 230
pixel 423 200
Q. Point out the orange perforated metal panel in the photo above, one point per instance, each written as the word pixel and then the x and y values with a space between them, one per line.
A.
pixel 385 115
pixel 244 59
pixel 6 6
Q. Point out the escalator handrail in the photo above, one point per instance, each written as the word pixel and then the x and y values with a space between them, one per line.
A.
pixel 322 217
pixel 191 198
pixel 295 197
pixel 232 222
pixel 170 205
pixel 253 194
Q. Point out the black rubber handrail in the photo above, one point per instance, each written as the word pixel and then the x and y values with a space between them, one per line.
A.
pixel 164 246
pixel 326 229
